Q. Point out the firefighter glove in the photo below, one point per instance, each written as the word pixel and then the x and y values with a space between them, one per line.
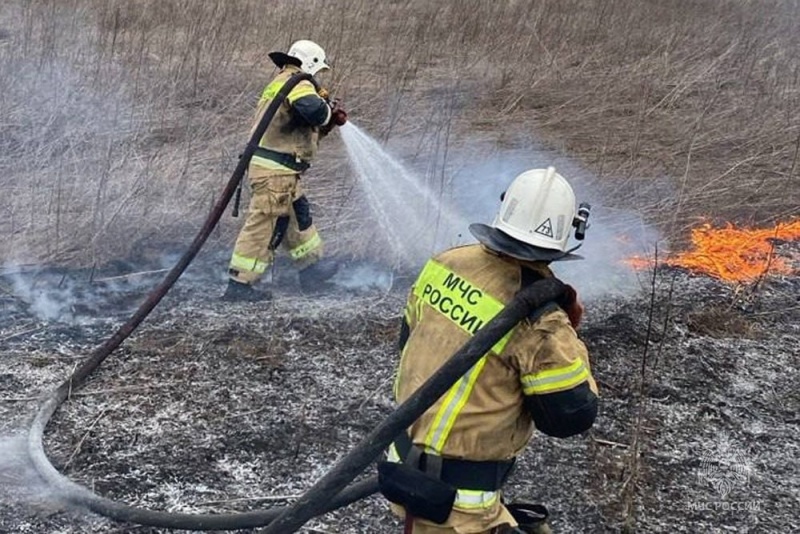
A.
pixel 569 303
pixel 338 114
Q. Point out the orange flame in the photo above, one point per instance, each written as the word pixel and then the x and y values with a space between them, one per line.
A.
pixel 732 254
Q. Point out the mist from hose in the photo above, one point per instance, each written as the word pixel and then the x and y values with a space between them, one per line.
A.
pixel 410 216
pixel 417 223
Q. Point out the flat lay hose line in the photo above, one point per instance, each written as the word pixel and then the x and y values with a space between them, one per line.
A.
pixel 79 495
pixel 331 491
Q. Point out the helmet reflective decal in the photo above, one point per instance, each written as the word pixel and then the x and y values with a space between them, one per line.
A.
pixel 512 205
pixel 546 228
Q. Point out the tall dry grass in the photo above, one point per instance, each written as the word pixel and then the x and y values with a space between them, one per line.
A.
pixel 121 119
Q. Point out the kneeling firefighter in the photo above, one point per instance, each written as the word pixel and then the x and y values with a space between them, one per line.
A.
pixel 279 212
pixel 445 475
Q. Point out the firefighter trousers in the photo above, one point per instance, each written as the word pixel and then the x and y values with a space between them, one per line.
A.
pixel 494 520
pixel 278 215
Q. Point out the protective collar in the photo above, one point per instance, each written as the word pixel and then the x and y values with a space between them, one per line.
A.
pixel 505 244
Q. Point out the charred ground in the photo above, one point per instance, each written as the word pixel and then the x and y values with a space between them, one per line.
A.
pixel 214 407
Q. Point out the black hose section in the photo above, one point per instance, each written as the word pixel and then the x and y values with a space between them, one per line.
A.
pixel 312 503
pixel 76 494
pixel 101 353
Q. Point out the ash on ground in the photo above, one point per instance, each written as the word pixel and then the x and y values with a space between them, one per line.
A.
pixel 216 407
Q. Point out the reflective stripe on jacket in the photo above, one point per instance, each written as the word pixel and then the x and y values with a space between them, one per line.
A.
pixel 288 133
pixel 483 416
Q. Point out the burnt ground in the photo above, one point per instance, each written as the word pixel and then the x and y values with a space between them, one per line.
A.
pixel 217 407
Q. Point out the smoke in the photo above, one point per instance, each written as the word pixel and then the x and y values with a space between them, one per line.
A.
pixel 81 296
pixel 418 219
pixel 47 302
pixel 19 481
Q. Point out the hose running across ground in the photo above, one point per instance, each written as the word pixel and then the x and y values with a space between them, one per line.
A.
pixel 331 491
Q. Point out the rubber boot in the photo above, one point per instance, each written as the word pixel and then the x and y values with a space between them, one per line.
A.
pixel 314 277
pixel 239 292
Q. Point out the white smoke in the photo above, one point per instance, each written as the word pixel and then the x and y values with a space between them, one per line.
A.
pixel 72 297
pixel 19 481
pixel 47 302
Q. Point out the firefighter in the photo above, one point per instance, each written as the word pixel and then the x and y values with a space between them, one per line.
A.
pixel 279 212
pixel 462 448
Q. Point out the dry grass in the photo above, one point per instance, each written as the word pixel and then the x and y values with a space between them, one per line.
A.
pixel 122 118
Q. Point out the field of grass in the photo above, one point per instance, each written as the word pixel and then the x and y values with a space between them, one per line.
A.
pixel 121 119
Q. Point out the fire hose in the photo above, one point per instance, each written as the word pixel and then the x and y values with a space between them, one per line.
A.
pixel 331 491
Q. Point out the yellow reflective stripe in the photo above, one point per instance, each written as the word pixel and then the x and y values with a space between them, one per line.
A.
pixel 272 89
pixel 475 499
pixel 468 307
pixel 243 263
pixel 455 297
pixel 392 454
pixel 300 91
pixel 452 405
pixel 303 249
pixel 560 378
pixel 269 164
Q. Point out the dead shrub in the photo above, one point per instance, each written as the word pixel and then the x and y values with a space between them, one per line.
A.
pixel 722 323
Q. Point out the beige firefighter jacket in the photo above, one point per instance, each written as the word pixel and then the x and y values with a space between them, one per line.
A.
pixel 285 134
pixel 482 417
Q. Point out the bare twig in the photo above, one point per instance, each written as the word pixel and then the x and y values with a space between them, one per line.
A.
pixel 374 393
pixel 609 443
pixel 634 461
pixel 17 334
pixel 83 439
pixel 129 275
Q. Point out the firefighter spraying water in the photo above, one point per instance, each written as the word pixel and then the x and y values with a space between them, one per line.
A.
pixel 279 213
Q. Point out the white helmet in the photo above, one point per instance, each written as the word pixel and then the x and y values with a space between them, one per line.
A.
pixel 535 218
pixel 311 56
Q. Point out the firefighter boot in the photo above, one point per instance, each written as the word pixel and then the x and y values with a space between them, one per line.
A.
pixel 314 277
pixel 239 292
pixel 532 518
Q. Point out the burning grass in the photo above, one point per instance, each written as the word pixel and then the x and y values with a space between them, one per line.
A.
pixel 736 255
